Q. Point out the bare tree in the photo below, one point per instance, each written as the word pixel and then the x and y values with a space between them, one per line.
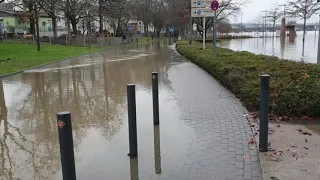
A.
pixel 74 10
pixel 32 7
pixel 141 9
pixel 158 15
pixel 117 10
pixel 227 9
pixel 224 27
pixel 50 8
pixel 273 16
pixel 303 9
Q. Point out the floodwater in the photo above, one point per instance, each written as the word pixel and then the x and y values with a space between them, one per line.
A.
pixel 286 48
pixel 93 89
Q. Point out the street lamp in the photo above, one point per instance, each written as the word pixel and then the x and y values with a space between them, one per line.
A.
pixel 89 28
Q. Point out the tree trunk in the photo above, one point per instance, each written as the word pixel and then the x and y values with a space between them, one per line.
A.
pixel 100 17
pixel 38 28
pixel 54 26
pixel 304 32
pixel 273 28
pixel 74 25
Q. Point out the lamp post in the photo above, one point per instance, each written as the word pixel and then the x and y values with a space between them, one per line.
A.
pixel 318 56
pixel 89 27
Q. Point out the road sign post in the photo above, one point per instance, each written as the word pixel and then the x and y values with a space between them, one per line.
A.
pixel 214 7
pixel 205 8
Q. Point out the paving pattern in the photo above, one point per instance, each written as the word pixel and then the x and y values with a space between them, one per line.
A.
pixel 220 149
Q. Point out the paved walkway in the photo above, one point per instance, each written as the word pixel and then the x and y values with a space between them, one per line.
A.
pixel 220 149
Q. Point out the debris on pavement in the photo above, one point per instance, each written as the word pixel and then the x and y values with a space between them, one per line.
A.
pixel 304 132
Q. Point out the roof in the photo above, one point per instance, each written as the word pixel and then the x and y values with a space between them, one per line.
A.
pixel 7 6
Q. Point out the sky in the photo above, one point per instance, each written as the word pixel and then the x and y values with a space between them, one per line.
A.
pixel 253 8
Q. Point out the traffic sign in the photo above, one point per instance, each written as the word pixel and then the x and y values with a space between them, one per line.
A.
pixel 214 5
pixel 201 3
pixel 171 29
pixel 202 12
pixel 130 28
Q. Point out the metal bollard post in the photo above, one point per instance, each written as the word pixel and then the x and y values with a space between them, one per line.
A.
pixel 157 152
pixel 264 113
pixel 66 146
pixel 132 120
pixel 155 97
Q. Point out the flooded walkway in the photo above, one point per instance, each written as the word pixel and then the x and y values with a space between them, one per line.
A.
pixel 203 134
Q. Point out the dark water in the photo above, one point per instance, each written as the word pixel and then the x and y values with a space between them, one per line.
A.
pixel 93 89
pixel 291 49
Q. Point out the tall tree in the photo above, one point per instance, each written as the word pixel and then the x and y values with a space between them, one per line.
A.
pixel 273 16
pixel 74 10
pixel 158 15
pixel 303 9
pixel 141 9
pixel 117 10
pixel 50 8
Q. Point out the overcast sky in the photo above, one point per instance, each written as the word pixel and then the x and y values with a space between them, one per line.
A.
pixel 252 10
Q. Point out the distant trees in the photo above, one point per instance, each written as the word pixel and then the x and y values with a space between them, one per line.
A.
pixel 224 27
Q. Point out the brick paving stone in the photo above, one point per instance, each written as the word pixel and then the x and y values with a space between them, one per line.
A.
pixel 222 131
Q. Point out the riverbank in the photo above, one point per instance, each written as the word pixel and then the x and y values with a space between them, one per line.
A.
pixel 18 57
pixel 293 86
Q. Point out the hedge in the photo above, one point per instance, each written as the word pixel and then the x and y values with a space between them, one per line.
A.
pixel 294 86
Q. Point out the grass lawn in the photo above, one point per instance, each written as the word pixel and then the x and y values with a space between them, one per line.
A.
pixel 17 57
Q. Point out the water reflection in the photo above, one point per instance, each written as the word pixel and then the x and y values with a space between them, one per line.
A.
pixel 157 151
pixel 134 169
pixel 95 94
pixel 290 47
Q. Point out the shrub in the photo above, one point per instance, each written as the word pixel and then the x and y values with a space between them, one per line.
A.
pixel 294 86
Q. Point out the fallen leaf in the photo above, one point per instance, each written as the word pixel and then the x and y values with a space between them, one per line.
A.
pixel 246 156
pixel 306 75
pixel 306 118
pixel 252 141
pixel 306 140
pixel 274 178
pixel 305 147
pixel 294 146
pixel 303 132
pixel 278 125
pixel 279 153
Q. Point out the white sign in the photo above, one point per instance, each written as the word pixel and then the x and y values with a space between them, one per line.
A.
pixel 202 12
pixel 201 3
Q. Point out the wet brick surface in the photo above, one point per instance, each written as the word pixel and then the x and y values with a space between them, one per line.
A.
pixel 222 131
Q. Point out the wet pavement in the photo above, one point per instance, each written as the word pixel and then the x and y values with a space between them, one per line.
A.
pixel 202 135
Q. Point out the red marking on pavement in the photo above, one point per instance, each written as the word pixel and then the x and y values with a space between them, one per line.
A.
pixel 154 77
pixel 61 124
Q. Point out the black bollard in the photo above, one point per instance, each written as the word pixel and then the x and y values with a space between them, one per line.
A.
pixel 157 152
pixel 132 120
pixel 155 97
pixel 264 113
pixel 66 145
